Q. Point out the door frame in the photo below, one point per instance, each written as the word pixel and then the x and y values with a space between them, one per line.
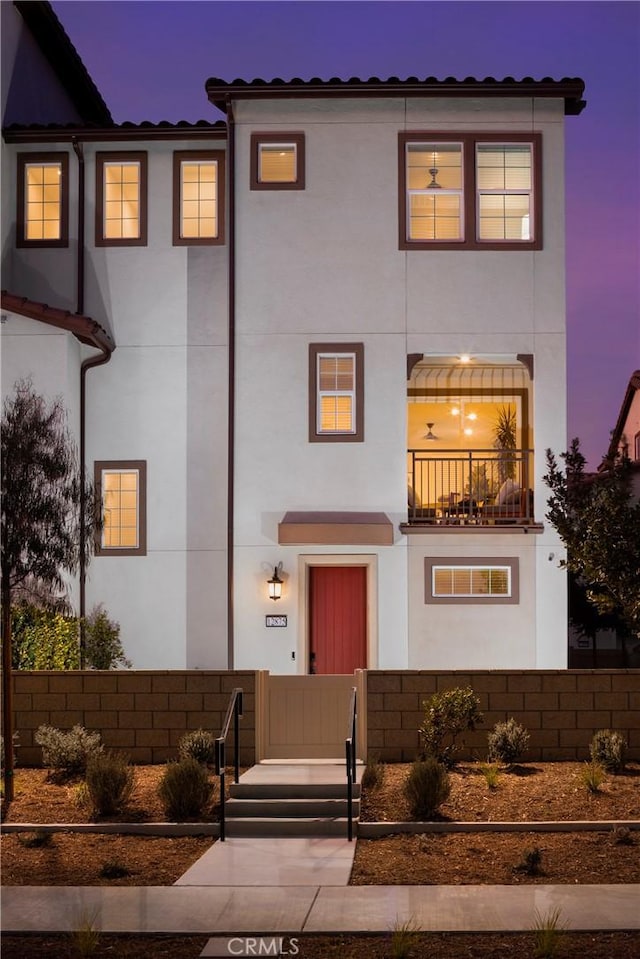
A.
pixel 305 562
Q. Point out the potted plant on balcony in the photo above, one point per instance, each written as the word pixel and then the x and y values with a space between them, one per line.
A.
pixel 504 440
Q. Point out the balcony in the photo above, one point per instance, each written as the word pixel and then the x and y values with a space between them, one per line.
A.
pixel 470 488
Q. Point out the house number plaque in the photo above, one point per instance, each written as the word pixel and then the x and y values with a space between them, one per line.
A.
pixel 275 620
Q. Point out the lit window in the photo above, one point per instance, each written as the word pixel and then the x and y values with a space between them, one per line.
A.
pixel 336 392
pixel 465 580
pixel 42 199
pixel 122 488
pixel 277 161
pixel 470 192
pixel 198 198
pixel 121 199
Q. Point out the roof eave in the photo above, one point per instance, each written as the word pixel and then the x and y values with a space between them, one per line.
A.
pixel 221 92
pixel 84 328
pixel 57 133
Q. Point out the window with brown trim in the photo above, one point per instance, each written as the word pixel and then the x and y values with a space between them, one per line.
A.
pixel 477 579
pixel 43 200
pixel 122 487
pixel 336 392
pixel 121 199
pixel 277 161
pixel 198 198
pixel 470 191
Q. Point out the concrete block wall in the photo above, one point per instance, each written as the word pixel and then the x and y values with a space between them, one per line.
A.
pixel 144 712
pixel 561 709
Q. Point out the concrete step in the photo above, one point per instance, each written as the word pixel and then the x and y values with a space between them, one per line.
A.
pixel 261 790
pixel 267 828
pixel 290 808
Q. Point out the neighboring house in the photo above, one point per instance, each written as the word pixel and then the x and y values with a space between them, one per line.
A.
pixel 323 337
pixel 625 438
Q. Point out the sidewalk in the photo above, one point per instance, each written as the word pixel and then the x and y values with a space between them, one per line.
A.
pixel 292 886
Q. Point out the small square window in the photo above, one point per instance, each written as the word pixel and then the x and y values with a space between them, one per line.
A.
pixel 43 200
pixel 277 161
pixel 122 486
pixel 121 199
pixel 198 198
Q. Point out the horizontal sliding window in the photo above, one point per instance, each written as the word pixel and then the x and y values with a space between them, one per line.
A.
pixel 470 191
pixel 43 204
pixel 466 580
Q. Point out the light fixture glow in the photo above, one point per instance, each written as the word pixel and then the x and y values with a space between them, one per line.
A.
pixel 275 585
pixel 465 358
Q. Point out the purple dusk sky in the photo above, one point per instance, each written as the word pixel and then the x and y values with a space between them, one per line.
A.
pixel 150 61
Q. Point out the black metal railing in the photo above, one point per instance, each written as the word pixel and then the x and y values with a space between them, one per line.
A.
pixel 481 487
pixel 350 754
pixel 234 711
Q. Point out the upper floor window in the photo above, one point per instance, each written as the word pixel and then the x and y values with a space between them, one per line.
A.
pixel 470 191
pixel 198 198
pixel 121 199
pixel 122 485
pixel 43 199
pixel 277 161
pixel 336 392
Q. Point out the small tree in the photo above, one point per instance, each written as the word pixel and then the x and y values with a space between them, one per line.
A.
pixel 103 648
pixel 42 496
pixel 598 520
pixel 447 715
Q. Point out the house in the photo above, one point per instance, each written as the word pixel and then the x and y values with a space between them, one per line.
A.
pixel 625 438
pixel 314 347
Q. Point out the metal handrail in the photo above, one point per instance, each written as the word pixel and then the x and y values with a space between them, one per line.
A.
pixel 234 711
pixel 350 755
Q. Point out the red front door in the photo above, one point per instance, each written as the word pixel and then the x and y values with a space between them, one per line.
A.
pixel 337 619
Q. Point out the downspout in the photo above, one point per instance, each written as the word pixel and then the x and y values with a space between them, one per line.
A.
pixel 231 151
pixel 85 366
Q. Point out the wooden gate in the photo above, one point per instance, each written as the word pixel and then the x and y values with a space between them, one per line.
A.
pixel 307 717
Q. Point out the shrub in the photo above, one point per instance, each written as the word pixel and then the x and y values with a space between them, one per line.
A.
pixel 372 775
pixel 608 749
pixel 547 932
pixel 491 774
pixel 36 840
pixel 110 781
pixel 185 789
pixel 622 836
pixel 67 752
pixel 199 745
pixel 448 714
pixel 426 787
pixel 530 862
pixel 592 776
pixel 102 645
pixel 42 639
pixel 114 869
pixel 507 742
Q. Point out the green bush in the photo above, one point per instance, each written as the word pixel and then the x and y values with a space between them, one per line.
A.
pixel 110 782
pixel 199 745
pixel 67 752
pixel 426 787
pixel 185 790
pixel 102 645
pixel 42 639
pixel 448 714
pixel 608 750
pixel 507 742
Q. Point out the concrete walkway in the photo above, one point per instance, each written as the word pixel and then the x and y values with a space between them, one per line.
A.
pixel 300 885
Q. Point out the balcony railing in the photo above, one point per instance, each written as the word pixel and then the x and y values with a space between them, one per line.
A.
pixel 480 487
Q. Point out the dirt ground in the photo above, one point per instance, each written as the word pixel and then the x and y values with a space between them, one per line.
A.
pixel 532 792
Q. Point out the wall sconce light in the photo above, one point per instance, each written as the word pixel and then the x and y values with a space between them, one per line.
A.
pixel 275 585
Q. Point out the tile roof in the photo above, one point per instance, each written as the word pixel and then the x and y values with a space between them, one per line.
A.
pixel 569 89
pixel 145 130
pixel 83 327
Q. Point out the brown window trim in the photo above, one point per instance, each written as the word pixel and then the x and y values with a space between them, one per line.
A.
pixel 512 562
pixel 219 157
pixel 469 141
pixel 23 159
pixel 121 157
pixel 141 466
pixel 298 139
pixel 314 350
